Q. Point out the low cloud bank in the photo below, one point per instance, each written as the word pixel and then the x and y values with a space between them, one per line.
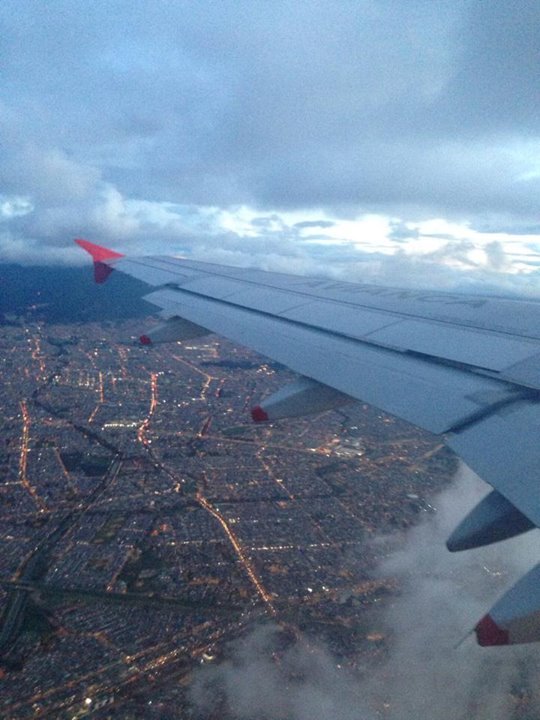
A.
pixel 443 595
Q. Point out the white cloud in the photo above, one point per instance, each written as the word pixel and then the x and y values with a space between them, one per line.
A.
pixel 231 128
pixel 14 206
pixel 442 596
pixel 431 253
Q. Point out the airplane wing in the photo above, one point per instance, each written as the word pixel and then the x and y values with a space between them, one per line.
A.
pixel 466 367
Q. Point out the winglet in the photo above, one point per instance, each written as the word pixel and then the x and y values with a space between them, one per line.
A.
pixel 258 414
pixel 100 256
pixel 489 633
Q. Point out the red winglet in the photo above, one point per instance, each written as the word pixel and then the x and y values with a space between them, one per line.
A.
pixel 98 252
pixel 258 414
pixel 489 633
pixel 100 255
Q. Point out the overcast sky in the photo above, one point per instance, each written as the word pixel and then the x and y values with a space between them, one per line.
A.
pixel 369 137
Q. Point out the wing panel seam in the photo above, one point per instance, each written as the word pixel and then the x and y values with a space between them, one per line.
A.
pixel 484 372
pixel 441 321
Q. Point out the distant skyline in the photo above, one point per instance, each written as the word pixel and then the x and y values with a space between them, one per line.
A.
pixel 382 140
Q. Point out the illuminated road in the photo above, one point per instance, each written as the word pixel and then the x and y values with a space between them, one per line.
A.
pixel 35 565
pixel 199 497
pixel 23 462
pixel 239 552
pixel 37 356
pixel 141 432
pixel 131 667
pixel 101 400
pixel 207 378
pixel 210 523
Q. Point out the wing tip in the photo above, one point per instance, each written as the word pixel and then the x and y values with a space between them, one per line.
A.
pixel 258 414
pixel 98 252
pixel 488 633
pixel 101 256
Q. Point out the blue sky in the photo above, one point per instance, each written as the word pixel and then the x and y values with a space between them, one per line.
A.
pixel 391 140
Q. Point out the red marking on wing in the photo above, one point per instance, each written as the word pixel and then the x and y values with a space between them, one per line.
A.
pixel 258 414
pixel 101 272
pixel 98 252
pixel 489 633
pixel 100 255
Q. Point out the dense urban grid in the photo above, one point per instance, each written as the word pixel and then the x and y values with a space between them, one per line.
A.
pixel 146 522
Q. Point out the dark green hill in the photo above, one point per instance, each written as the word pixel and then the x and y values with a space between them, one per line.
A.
pixel 69 295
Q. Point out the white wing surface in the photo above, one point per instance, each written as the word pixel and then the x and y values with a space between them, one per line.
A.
pixel 464 366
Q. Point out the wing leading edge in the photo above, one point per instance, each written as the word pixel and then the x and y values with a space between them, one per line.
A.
pixel 467 367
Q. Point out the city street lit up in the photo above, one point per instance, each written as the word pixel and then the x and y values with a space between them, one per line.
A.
pixel 147 522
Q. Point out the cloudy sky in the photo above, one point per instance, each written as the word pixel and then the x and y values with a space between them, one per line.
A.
pixel 397 139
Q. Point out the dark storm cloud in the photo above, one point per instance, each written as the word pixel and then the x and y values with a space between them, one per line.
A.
pixel 412 109
pixel 497 81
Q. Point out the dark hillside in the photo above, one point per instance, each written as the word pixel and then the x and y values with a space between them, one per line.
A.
pixel 68 295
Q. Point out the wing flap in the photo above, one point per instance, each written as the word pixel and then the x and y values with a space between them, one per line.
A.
pixel 396 383
pixel 501 315
pixel 526 372
pixel 503 450
pixel 492 351
pixel 356 322
pixel 440 336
